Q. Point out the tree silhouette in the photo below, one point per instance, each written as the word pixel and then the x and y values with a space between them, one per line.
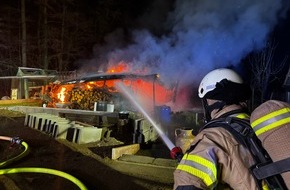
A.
pixel 264 70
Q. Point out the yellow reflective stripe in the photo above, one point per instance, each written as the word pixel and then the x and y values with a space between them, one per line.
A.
pixel 271 121
pixel 241 116
pixel 270 115
pixel 265 186
pixel 198 173
pixel 208 164
pixel 199 167
pixel 272 126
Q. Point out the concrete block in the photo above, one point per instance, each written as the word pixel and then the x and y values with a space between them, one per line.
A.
pixel 42 121
pixel 73 133
pixel 26 121
pixel 38 118
pixel 63 128
pixel 53 123
pixel 149 132
pixel 60 130
pixel 89 134
pixel 45 122
pixel 31 119
pixel 144 131
pixel 46 127
pixel 82 135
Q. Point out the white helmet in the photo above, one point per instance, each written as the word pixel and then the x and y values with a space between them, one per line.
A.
pixel 209 82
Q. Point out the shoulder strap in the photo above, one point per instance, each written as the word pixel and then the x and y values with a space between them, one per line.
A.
pixel 272 169
pixel 238 131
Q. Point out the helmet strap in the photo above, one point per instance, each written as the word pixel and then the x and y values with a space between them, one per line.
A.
pixel 209 108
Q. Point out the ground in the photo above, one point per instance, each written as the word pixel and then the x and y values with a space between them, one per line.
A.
pixel 88 164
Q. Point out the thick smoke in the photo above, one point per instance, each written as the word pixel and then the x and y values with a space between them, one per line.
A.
pixel 204 35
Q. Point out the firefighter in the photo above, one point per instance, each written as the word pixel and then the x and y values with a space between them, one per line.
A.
pixel 215 159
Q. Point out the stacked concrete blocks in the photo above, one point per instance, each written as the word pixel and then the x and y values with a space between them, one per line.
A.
pixel 62 128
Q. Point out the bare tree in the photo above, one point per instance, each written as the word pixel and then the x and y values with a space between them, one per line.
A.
pixel 23 37
pixel 66 30
pixel 63 21
pixel 45 28
pixel 264 70
pixel 9 39
pixel 23 45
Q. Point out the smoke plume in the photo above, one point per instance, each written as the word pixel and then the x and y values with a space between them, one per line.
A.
pixel 203 35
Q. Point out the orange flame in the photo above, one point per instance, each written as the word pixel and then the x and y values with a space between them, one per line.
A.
pixel 61 94
pixel 89 85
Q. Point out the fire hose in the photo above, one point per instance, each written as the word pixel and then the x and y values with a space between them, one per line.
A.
pixel 16 140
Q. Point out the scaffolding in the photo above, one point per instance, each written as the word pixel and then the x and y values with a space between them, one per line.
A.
pixel 29 80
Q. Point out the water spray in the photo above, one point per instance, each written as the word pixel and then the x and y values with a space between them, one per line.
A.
pixel 126 91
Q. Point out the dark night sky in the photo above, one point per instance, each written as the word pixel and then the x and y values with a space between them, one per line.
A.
pixel 282 35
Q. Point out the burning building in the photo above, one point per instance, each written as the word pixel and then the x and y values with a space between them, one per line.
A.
pixel 84 92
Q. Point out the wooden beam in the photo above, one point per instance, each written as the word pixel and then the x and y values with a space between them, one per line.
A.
pixel 128 149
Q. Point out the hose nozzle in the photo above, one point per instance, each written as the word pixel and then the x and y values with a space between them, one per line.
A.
pixel 176 153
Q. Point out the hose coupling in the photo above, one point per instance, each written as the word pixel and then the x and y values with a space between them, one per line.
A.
pixel 16 140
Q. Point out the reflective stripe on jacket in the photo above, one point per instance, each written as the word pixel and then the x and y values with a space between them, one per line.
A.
pixel 200 167
pixel 271 120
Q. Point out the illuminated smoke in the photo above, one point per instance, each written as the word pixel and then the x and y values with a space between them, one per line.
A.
pixel 203 35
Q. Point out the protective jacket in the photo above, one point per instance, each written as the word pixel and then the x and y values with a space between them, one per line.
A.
pixel 216 160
